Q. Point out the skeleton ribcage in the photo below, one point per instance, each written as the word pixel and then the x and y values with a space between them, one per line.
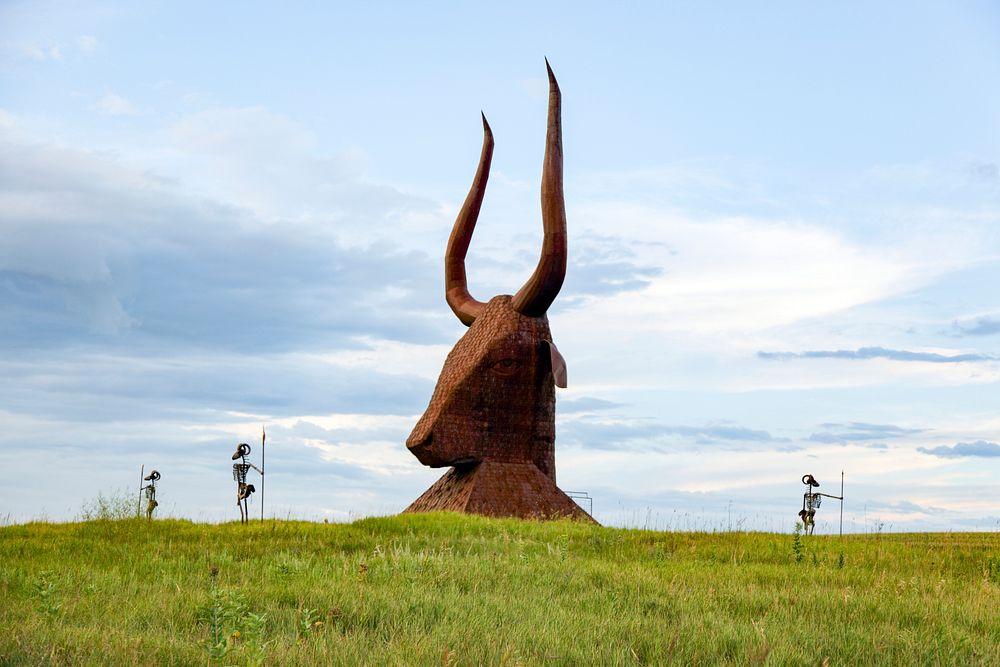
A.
pixel 813 500
pixel 240 472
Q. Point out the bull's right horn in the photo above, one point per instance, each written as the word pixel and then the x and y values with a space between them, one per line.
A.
pixel 456 288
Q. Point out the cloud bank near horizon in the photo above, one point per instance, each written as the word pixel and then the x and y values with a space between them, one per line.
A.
pixel 979 448
pixel 864 353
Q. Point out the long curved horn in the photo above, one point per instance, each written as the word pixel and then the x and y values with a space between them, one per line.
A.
pixel 542 287
pixel 456 287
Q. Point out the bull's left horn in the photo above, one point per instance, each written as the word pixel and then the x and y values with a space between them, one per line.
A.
pixel 542 287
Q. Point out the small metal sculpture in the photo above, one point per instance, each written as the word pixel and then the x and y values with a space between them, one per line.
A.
pixel 243 490
pixel 150 490
pixel 811 501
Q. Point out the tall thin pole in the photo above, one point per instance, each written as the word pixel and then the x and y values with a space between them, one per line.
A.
pixel 841 503
pixel 263 437
pixel 142 473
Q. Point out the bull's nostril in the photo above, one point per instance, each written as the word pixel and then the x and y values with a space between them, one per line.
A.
pixel 422 443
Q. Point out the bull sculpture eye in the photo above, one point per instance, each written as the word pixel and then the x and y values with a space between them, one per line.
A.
pixel 506 367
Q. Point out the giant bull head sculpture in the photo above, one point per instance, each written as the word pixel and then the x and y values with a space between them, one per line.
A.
pixel 494 403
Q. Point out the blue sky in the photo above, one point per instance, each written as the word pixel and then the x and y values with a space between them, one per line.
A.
pixel 784 250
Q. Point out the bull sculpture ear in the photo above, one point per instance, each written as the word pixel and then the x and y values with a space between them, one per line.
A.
pixel 558 365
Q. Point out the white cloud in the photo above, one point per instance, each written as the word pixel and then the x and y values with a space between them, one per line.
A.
pixel 391 357
pixel 739 275
pixel 37 52
pixel 876 372
pixel 243 133
pixel 270 164
pixel 87 43
pixel 115 105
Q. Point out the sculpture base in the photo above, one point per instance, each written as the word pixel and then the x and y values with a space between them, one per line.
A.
pixel 499 489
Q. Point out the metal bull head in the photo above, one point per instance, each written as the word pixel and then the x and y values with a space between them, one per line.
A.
pixel 495 400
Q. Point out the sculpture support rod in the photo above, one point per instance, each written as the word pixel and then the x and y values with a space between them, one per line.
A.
pixel 263 436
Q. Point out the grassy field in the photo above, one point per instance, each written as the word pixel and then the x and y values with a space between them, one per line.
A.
pixel 459 590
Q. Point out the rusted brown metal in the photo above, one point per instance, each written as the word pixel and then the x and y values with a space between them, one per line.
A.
pixel 495 399
pixel 499 489
pixel 492 414
pixel 456 286
pixel 542 287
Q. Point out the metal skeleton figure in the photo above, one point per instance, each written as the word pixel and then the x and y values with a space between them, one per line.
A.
pixel 150 490
pixel 811 500
pixel 243 490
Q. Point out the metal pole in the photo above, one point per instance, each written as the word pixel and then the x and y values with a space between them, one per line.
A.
pixel 841 503
pixel 142 473
pixel 263 437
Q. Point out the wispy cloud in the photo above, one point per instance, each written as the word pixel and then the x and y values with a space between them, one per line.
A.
pixel 863 353
pixel 985 171
pixel 902 507
pixel 87 43
pixel 603 265
pixel 728 274
pixel 860 432
pixel 586 404
pixel 115 105
pixel 610 434
pixel 963 449
pixel 982 326
pixel 37 52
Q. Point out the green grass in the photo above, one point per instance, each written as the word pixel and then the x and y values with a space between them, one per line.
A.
pixel 459 590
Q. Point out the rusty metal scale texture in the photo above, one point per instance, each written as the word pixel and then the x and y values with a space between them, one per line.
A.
pixel 492 415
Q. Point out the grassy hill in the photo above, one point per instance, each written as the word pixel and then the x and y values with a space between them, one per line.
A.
pixel 460 590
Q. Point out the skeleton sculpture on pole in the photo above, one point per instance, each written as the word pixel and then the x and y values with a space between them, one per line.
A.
pixel 243 489
pixel 492 414
pixel 811 501
pixel 150 490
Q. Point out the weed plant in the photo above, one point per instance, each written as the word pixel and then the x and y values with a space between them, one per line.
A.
pixel 458 590
pixel 798 548
pixel 117 505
